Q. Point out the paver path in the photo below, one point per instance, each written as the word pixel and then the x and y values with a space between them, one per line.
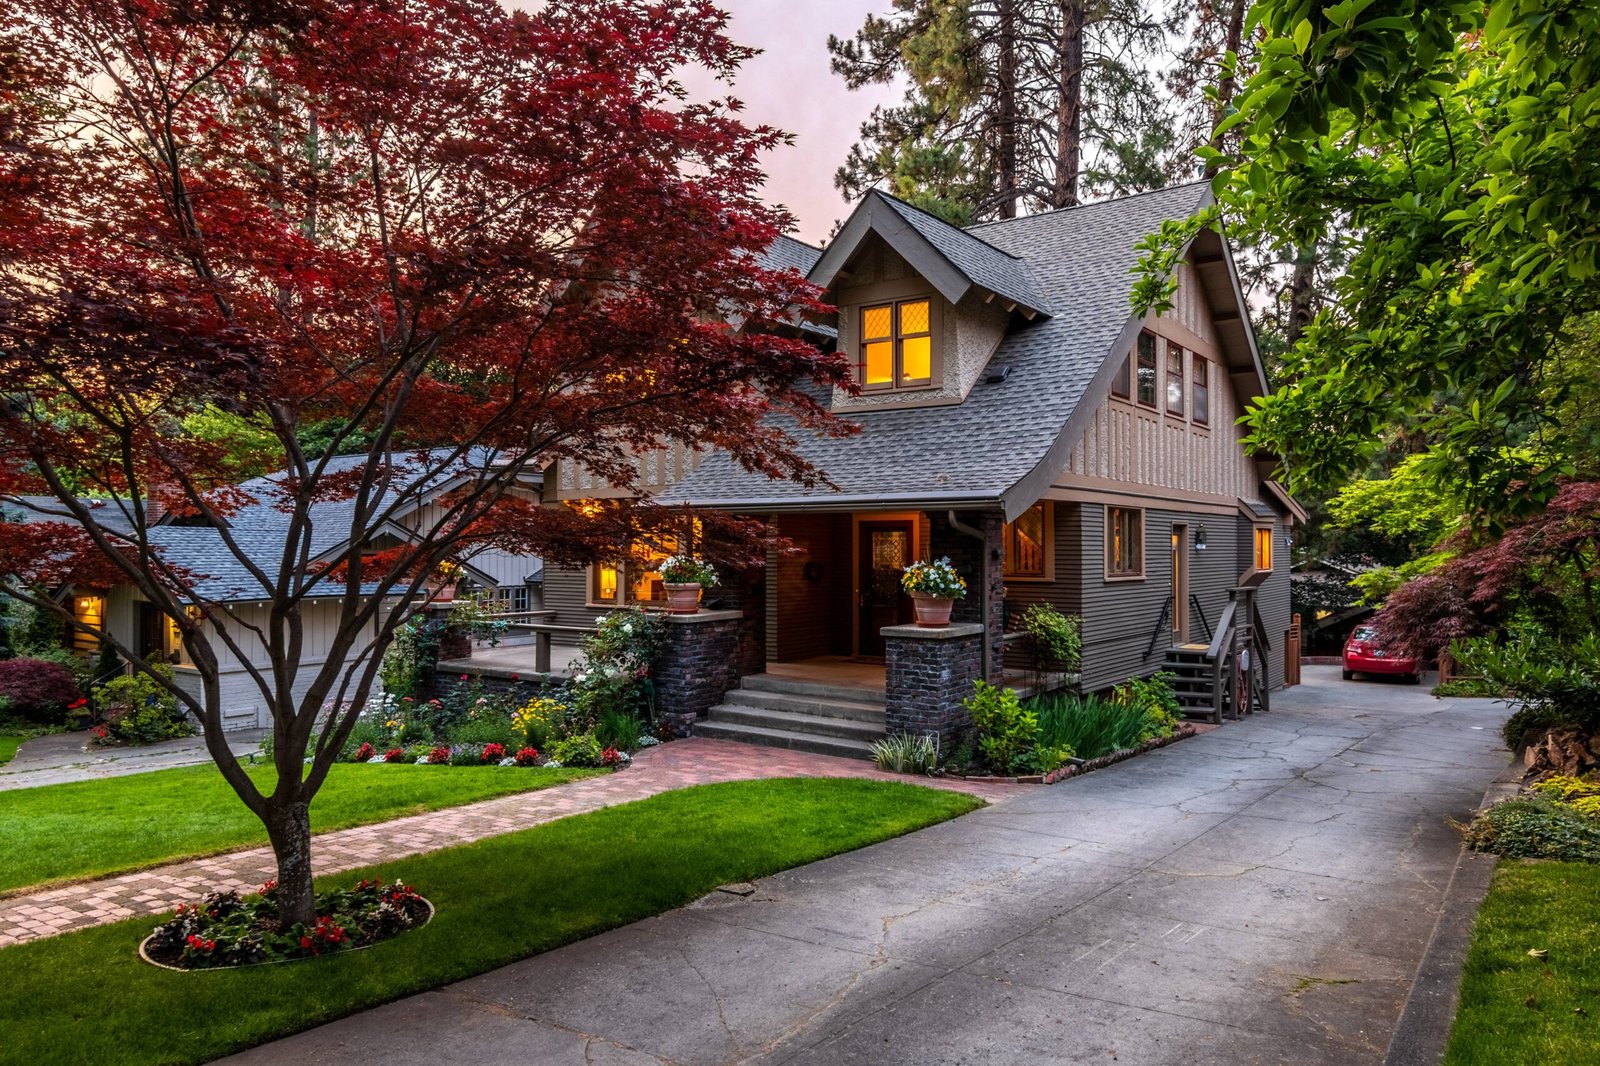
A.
pixel 676 765
pixel 1259 894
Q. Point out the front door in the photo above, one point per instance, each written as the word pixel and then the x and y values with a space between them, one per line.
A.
pixel 1180 584
pixel 886 549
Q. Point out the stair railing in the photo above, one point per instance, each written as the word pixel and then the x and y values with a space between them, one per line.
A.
pixel 1155 634
pixel 1221 642
pixel 1194 601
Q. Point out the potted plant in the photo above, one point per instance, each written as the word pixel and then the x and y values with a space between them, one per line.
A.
pixel 683 576
pixel 442 582
pixel 934 588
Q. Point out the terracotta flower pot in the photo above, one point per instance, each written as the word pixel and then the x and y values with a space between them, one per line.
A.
pixel 683 599
pixel 444 593
pixel 932 612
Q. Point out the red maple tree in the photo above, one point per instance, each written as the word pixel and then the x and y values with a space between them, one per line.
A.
pixel 473 241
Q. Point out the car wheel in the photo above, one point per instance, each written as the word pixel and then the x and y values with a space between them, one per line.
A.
pixel 1349 675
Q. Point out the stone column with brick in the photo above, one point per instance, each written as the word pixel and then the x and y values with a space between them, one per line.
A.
pixel 699 662
pixel 929 672
pixel 970 557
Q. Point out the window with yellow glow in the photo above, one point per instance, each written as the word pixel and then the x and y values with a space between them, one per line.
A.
pixel 1263 548
pixel 636 579
pixel 606 582
pixel 896 344
pixel 1024 542
pixel 1124 542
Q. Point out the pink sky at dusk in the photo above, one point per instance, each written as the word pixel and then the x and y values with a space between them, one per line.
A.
pixel 790 86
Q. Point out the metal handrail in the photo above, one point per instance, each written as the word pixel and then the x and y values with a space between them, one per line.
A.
pixel 1155 634
pixel 1194 601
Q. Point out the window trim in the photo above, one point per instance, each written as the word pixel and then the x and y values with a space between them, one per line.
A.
pixel 1174 349
pixel 853 304
pixel 1255 548
pixel 1111 573
pixel 1137 357
pixel 1049 548
pixel 1199 379
pixel 1119 383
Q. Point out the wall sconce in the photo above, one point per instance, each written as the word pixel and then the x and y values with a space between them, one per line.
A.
pixel 1199 538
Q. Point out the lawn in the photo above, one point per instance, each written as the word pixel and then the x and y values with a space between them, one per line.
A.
pixel 92 828
pixel 85 997
pixel 1519 1008
pixel 9 744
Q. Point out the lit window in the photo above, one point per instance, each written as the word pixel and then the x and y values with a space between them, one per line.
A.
pixel 1147 369
pixel 1174 379
pixel 896 345
pixel 1124 542
pixel 605 583
pixel 1263 547
pixel 1024 542
pixel 636 579
pixel 1200 370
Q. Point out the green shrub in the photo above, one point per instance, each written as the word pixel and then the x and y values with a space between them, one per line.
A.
pixel 365 731
pixel 1053 639
pixel 614 674
pixel 1156 701
pixel 138 709
pixel 1536 828
pixel 1468 688
pixel 1089 725
pixel 620 731
pixel 1047 758
pixel 1551 683
pixel 580 750
pixel 489 726
pixel 1006 729
pixel 907 753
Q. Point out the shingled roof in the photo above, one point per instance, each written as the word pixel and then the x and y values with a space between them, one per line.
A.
pixel 1003 445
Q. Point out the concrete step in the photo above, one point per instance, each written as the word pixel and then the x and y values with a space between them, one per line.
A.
pixel 813 724
pixel 783 738
pixel 812 689
pixel 857 710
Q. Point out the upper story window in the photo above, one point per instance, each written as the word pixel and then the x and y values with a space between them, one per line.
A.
pixel 1119 384
pixel 1200 388
pixel 896 345
pixel 1025 543
pixel 1145 370
pixel 1263 547
pixel 1174 379
pixel 1124 542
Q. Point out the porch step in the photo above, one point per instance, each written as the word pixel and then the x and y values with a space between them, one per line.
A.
pixel 815 690
pixel 855 710
pixel 721 729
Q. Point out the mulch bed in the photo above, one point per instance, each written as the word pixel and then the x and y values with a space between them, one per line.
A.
pixel 1185 731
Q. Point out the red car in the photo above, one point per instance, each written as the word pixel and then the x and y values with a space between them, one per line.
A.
pixel 1364 653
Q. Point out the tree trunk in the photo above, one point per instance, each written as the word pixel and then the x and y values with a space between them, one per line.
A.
pixel 1233 37
pixel 289 829
pixel 1302 292
pixel 1006 101
pixel 1069 107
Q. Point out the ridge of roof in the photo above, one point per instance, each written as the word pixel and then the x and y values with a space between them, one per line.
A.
pixel 945 222
pixel 1071 208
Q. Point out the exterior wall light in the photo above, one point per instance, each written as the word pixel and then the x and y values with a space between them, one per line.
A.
pixel 1200 538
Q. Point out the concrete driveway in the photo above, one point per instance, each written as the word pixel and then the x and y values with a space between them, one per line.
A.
pixel 1261 893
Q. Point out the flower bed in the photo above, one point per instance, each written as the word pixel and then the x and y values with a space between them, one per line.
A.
pixel 1183 732
pixel 226 930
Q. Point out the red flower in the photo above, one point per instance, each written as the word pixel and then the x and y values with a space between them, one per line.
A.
pixel 527 757
pixel 516 677
pixel 494 752
pixel 365 752
pixel 305 942
pixel 394 755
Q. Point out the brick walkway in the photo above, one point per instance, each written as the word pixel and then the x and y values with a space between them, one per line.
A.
pixel 35 915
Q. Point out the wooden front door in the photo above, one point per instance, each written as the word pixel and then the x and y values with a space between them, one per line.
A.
pixel 1180 584
pixel 886 548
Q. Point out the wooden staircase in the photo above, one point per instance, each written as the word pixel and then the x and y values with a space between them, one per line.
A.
pixel 781 712
pixel 1205 675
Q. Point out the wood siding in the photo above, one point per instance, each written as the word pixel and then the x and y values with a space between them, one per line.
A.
pixel 1065 593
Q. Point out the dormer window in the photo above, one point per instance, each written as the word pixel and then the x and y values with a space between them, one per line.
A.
pixel 895 344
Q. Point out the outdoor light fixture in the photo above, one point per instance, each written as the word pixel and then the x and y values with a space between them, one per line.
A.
pixel 1199 538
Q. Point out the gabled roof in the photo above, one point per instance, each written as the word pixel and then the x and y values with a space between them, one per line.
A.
pixel 1003 445
pixel 788 253
pixel 952 259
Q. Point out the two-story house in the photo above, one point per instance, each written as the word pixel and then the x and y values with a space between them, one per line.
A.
pixel 1017 417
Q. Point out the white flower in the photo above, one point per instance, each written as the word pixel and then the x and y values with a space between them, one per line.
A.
pixel 508 761
pixel 627 627
pixel 377 758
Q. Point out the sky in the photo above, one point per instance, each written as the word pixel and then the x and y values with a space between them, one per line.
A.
pixel 790 86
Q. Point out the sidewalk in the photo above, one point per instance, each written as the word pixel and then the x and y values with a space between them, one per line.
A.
pixel 58 758
pixel 34 915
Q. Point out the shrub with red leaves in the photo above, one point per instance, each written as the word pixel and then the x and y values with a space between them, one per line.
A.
pixel 37 689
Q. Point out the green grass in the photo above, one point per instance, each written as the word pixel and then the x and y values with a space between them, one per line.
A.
pixel 8 747
pixel 1518 1008
pixel 85 998
pixel 93 828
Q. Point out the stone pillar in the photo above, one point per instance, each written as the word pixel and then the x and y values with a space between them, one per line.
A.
pixel 928 673
pixel 700 662
pixel 970 559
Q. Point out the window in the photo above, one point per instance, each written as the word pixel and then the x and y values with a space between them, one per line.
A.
pixel 604 581
pixel 1124 542
pixel 638 576
pixel 1147 369
pixel 1174 379
pixel 1119 384
pixel 1200 372
pixel 1263 547
pixel 896 345
pixel 1024 543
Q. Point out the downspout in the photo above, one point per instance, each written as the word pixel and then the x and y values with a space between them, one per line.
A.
pixel 983 580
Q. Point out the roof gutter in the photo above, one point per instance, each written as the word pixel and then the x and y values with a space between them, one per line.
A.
pixel 987 500
pixel 983 580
